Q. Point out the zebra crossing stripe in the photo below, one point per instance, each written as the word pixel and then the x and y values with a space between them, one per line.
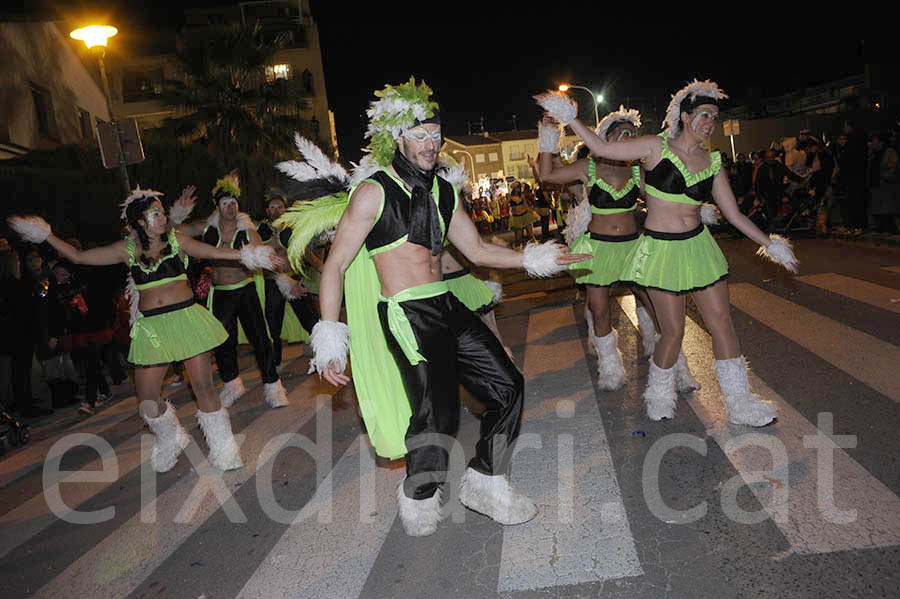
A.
pixel 879 296
pixel 363 502
pixel 581 533
pixel 866 513
pixel 179 511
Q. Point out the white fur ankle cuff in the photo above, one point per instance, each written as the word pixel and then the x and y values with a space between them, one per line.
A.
pixel 548 138
pixel 779 251
pixel 559 106
pixel 32 229
pixel 257 256
pixel 539 261
pixel 330 342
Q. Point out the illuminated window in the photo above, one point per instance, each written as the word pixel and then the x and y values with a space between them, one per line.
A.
pixel 479 158
pixel 278 71
pixel 493 157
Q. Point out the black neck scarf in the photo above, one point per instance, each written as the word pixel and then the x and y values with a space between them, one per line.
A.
pixel 424 221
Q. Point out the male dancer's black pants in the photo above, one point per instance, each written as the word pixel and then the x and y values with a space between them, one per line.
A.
pixel 304 307
pixel 243 303
pixel 459 348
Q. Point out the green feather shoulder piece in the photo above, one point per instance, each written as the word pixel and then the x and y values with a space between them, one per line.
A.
pixel 308 219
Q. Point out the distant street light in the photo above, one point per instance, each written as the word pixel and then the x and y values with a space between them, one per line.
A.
pixel 598 97
pixel 94 37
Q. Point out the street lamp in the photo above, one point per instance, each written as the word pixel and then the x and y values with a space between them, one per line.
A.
pixel 595 98
pixel 94 37
pixel 474 178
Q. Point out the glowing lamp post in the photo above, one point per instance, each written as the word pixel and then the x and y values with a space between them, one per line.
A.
pixel 595 98
pixel 94 37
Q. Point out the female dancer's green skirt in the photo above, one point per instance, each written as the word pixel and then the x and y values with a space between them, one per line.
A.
pixel 610 255
pixel 676 262
pixel 470 290
pixel 173 333
pixel 523 220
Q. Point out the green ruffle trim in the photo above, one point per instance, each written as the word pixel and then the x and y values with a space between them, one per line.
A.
pixel 691 179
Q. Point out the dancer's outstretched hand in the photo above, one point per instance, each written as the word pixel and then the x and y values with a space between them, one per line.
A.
pixel 335 376
pixel 187 199
pixel 565 259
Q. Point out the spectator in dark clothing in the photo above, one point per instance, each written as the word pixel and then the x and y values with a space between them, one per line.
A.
pixel 884 184
pixel 851 175
pixel 40 337
pixel 770 186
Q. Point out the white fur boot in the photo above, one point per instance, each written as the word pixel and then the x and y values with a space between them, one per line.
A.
pixel 648 331
pixel 275 394
pixel 223 449
pixel 494 497
pixel 742 406
pixel 419 517
pixel 609 362
pixel 660 397
pixel 684 379
pixel 589 319
pixel 231 391
pixel 171 439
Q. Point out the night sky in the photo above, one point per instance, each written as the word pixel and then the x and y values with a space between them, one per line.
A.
pixel 487 59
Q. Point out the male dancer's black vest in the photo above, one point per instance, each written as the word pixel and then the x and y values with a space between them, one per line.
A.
pixel 266 231
pixel 211 236
pixel 393 223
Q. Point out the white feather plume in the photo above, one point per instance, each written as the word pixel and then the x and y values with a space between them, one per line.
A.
pixel 629 115
pixel 286 286
pixel 134 298
pixel 362 171
pixel 578 219
pixel 257 256
pixel 299 171
pixel 695 88
pixel 539 260
pixel 456 175
pixel 330 342
pixel 560 106
pixel 496 288
pixel 548 138
pixel 709 214
pixel 780 251
pixel 316 158
pixel 32 229
pixel 136 194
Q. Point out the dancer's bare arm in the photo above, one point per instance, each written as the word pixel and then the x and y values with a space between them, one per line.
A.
pixel 101 256
pixel 727 204
pixel 647 147
pixel 577 171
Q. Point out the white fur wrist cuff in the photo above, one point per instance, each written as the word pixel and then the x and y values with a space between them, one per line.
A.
pixel 330 342
pixel 496 288
pixel 178 214
pixel 286 286
pixel 539 261
pixel 559 106
pixel 779 251
pixel 578 220
pixel 257 256
pixel 709 214
pixel 549 138
pixel 32 229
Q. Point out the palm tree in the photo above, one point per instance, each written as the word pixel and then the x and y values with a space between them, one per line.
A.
pixel 225 100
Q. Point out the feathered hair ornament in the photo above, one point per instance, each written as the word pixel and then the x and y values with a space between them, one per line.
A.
pixel 227 186
pixel 688 98
pixel 137 194
pixel 622 115
pixel 399 108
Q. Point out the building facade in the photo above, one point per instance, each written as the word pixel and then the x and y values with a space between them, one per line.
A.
pixel 48 98
pixel 136 84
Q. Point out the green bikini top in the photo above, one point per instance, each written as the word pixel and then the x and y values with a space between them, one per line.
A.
pixel 170 267
pixel 606 199
pixel 672 181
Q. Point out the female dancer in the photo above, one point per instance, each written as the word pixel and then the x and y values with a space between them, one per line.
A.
pixel 170 325
pixel 676 255
pixel 523 217
pixel 613 190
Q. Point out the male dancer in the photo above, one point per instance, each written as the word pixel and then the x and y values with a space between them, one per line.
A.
pixel 391 236
pixel 236 293
pixel 282 288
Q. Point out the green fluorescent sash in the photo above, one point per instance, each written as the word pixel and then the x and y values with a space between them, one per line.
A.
pixel 399 324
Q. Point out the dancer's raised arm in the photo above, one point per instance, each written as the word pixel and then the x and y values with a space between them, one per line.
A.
pixel 35 229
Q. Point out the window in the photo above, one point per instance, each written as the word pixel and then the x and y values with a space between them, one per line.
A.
pixel 493 157
pixel 516 153
pixel 524 171
pixel 142 85
pixel 43 107
pixel 84 118
pixel 479 158
pixel 278 71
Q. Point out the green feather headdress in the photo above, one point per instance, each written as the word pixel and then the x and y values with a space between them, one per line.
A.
pixel 399 108
pixel 227 186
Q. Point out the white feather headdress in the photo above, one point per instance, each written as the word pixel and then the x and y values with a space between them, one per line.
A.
pixel 709 89
pixel 629 115
pixel 137 194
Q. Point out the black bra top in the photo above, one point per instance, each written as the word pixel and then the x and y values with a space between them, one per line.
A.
pixel 266 232
pixel 171 264
pixel 212 237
